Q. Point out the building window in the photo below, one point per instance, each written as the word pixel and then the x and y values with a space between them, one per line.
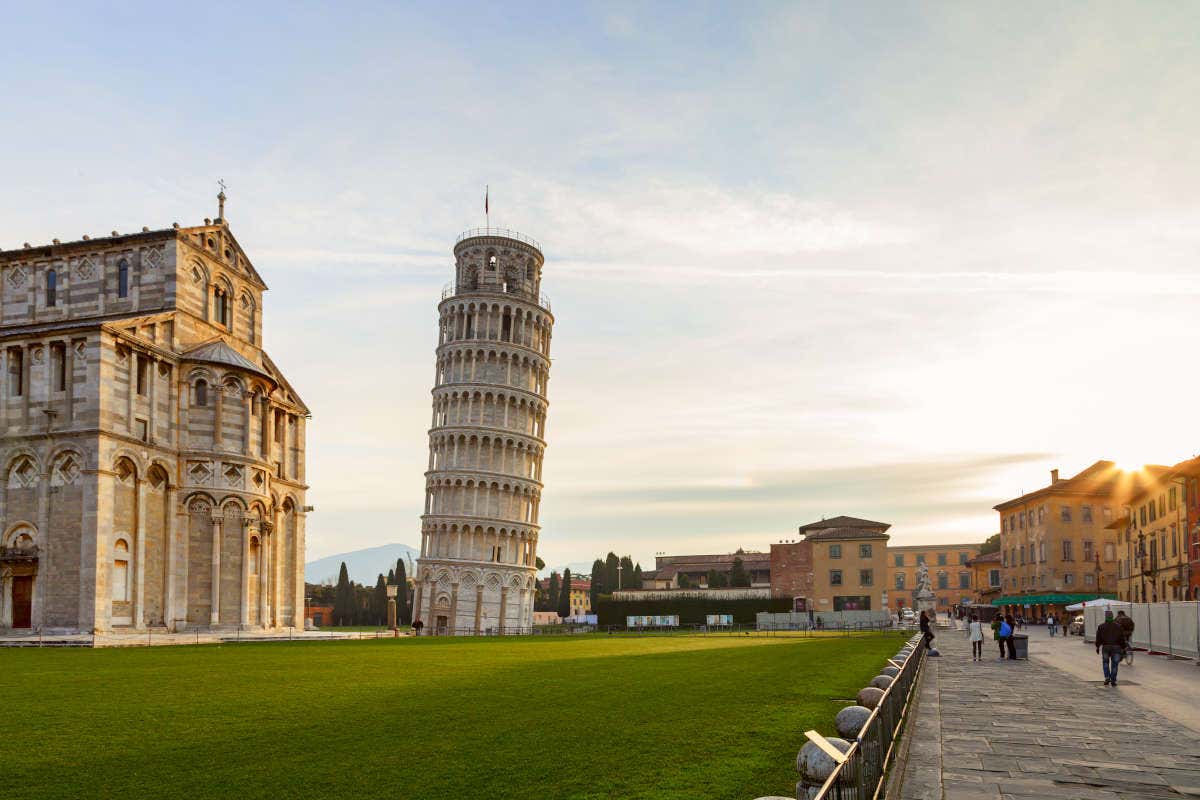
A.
pixel 1171 499
pixel 994 578
pixel 920 559
pixel 866 577
pixel 16 371
pixel 1065 513
pixel 51 288
pixel 835 551
pixel 1068 552
pixel 899 560
pixel 864 551
pixel 142 430
pixel 941 559
pixel 963 558
pixel 1106 514
pixel 143 365
pixel 1041 552
pixel 1041 514
pixel 1089 579
pixel 123 278
pixel 835 577
pixel 899 580
pixel 943 580
pixel 1069 579
pixel 120 584
pixel 1089 551
pixel 1021 520
pixel 58 366
pixel 1085 515
pixel 964 580
pixel 201 393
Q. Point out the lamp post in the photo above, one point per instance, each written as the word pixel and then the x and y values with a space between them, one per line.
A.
pixel 619 568
pixel 391 596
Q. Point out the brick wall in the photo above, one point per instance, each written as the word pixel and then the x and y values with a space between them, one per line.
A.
pixel 791 569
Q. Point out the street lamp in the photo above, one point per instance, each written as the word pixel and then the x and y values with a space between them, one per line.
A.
pixel 391 596
pixel 619 568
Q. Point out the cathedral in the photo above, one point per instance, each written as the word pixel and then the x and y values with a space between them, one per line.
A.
pixel 152 453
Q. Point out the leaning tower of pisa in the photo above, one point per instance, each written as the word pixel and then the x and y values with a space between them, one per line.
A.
pixel 479 531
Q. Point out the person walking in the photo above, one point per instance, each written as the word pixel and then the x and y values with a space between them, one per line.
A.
pixel 1126 624
pixel 417 626
pixel 1050 624
pixel 1110 645
pixel 997 622
pixel 975 631
pixel 1007 629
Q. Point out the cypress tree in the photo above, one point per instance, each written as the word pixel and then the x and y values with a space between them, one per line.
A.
pixel 637 575
pixel 343 598
pixel 403 609
pixel 610 572
pixel 564 597
pixel 627 575
pixel 380 601
pixel 597 581
pixel 391 579
pixel 552 593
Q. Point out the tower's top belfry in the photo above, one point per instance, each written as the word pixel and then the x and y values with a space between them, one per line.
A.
pixel 500 261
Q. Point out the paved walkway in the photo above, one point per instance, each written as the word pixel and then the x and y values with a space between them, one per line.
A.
pixel 1027 729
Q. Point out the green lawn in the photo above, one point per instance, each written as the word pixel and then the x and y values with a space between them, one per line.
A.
pixel 589 716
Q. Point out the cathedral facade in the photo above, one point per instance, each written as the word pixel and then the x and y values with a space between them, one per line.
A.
pixel 152 455
pixel 483 489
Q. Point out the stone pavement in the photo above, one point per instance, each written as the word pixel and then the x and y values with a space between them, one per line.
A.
pixel 1026 729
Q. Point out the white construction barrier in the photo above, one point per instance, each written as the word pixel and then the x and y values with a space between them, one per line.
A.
pixel 1168 628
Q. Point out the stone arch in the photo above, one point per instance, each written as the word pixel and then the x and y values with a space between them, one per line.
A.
pixel 21 534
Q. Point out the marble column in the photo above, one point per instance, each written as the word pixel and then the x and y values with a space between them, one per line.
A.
pixel 244 612
pixel 453 608
pixel 139 602
pixel 216 568
pixel 503 607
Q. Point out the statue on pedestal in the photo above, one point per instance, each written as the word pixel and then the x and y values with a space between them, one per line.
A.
pixel 923 597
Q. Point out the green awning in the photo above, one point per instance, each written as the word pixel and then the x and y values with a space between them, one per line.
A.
pixel 1044 599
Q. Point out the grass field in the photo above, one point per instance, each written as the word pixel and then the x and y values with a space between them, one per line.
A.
pixel 556 717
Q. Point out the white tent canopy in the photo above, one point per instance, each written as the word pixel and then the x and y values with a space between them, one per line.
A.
pixel 1099 601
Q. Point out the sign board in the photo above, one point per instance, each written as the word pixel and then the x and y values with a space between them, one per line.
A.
pixel 719 619
pixel 652 621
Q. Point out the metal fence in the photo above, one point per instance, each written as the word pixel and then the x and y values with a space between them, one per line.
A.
pixel 861 776
pixel 1166 628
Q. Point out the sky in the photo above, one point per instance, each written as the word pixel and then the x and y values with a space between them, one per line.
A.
pixel 889 260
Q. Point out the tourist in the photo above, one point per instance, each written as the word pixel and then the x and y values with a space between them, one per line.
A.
pixel 997 623
pixel 926 633
pixel 417 625
pixel 1050 624
pixel 1110 644
pixel 1126 624
pixel 976 633
pixel 1007 630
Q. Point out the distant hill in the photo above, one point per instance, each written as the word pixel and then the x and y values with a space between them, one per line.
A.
pixel 364 566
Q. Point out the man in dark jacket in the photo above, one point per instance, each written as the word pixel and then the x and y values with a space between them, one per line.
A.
pixel 1110 643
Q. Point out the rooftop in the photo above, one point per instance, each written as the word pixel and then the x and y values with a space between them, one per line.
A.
pixel 845 533
pixel 844 522
pixel 1103 478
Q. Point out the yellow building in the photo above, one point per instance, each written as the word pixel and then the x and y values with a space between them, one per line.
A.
pixel 985 577
pixel 581 597
pixel 1153 543
pixel 949 573
pixel 1056 543
pixel 849 558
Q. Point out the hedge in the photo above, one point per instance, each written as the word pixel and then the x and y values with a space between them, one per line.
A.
pixel 691 610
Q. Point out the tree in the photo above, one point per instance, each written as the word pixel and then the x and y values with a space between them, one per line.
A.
pixel 684 581
pixel 627 576
pixel 637 576
pixel 564 598
pixel 990 545
pixel 541 565
pixel 343 598
pixel 597 582
pixel 391 578
pixel 403 610
pixel 610 572
pixel 717 580
pixel 552 593
pixel 738 575
pixel 379 602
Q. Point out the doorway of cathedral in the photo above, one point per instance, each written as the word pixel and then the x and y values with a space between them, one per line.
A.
pixel 442 624
pixel 22 601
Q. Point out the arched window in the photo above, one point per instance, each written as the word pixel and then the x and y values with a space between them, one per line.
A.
pixel 201 392
pixel 51 288
pixel 123 278
pixel 120 582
